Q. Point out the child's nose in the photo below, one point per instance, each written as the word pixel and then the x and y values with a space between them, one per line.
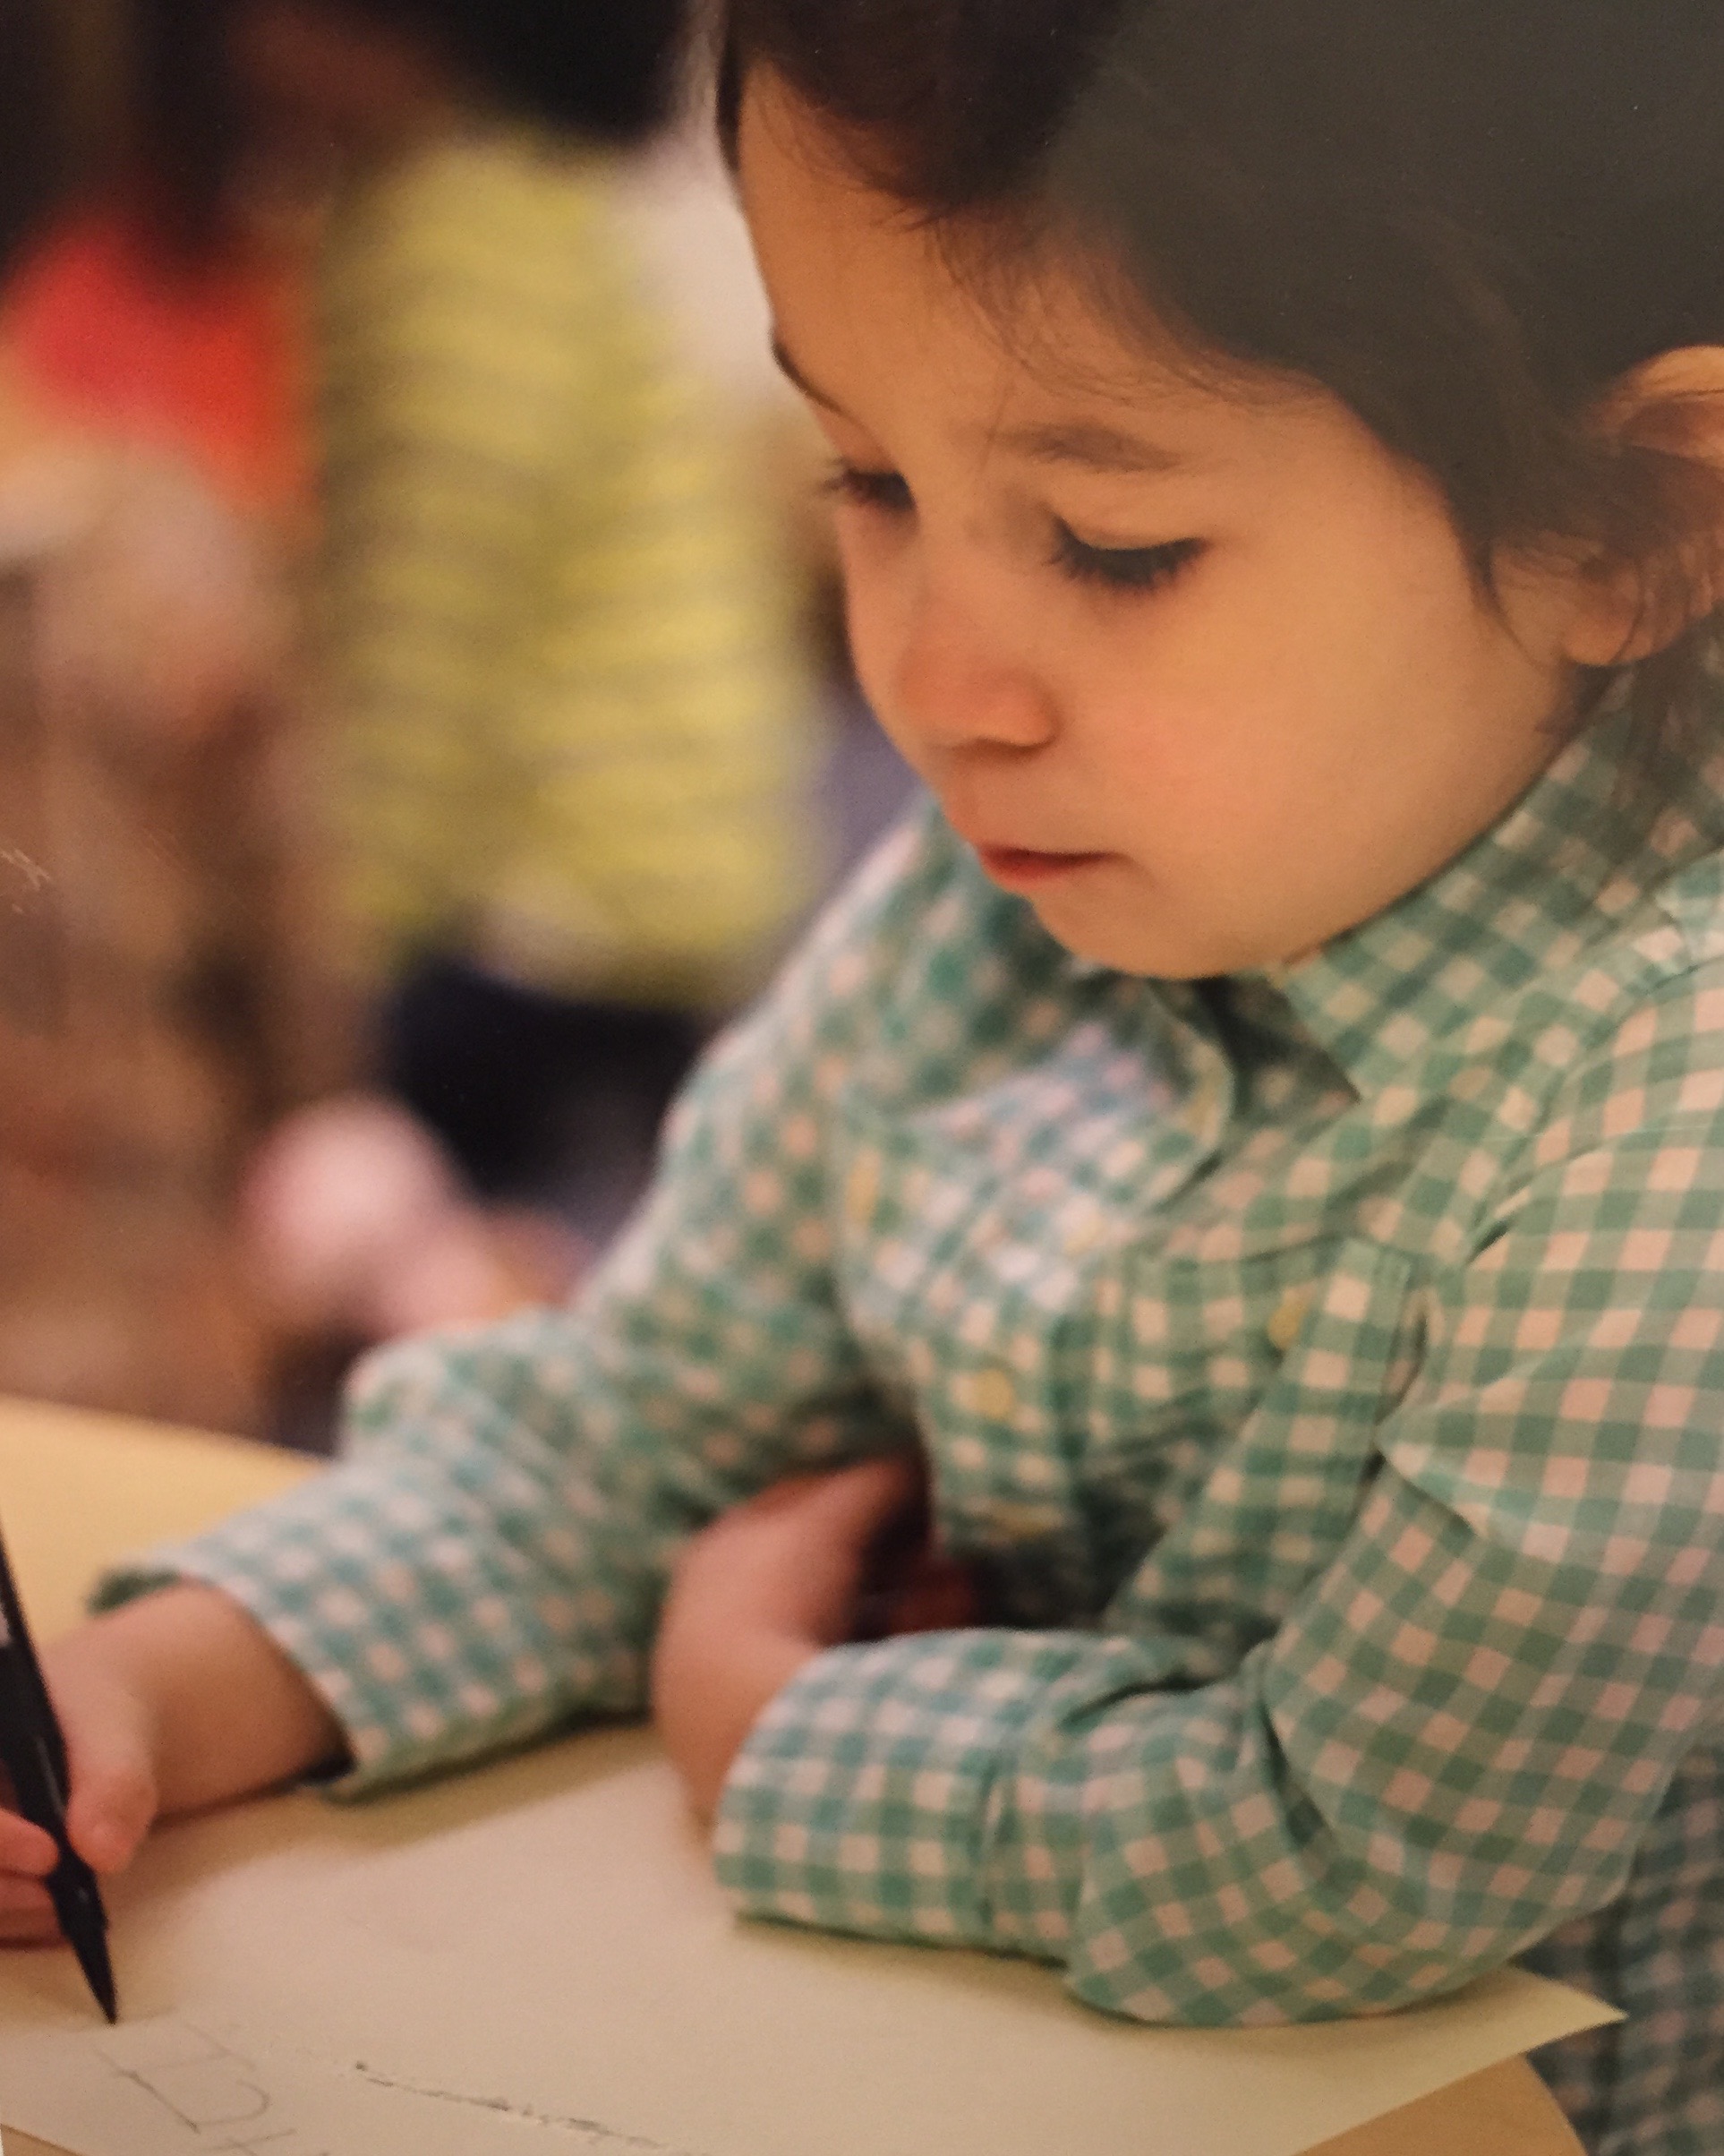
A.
pixel 960 686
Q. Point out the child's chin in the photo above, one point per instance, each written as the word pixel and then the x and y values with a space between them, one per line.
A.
pixel 1158 951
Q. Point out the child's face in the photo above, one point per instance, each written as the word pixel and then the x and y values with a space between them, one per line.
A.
pixel 1204 676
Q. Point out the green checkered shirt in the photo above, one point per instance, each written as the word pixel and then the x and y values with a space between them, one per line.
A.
pixel 1322 1368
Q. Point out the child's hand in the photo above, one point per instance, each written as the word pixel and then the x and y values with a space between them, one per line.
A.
pixel 764 1590
pixel 175 1702
pixel 109 1748
pixel 113 1798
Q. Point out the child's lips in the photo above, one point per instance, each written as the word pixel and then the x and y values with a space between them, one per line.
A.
pixel 1023 869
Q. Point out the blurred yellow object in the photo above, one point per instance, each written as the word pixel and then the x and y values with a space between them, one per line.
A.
pixel 569 718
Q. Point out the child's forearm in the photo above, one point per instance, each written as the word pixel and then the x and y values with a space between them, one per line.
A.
pixel 222 1710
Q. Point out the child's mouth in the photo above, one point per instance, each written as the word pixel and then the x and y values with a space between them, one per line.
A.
pixel 1017 869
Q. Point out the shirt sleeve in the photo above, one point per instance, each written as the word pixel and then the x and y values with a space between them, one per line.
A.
pixel 1461 1730
pixel 488 1563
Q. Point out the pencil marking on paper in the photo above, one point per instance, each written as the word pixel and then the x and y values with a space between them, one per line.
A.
pixel 221 2094
pixel 217 2093
pixel 599 2135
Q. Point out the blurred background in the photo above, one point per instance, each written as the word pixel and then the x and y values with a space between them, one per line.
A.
pixel 424 708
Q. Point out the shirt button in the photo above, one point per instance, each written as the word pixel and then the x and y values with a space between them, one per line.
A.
pixel 1291 1313
pixel 992 1395
pixel 862 1192
pixel 1025 1523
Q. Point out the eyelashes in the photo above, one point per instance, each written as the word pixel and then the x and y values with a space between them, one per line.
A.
pixel 866 490
pixel 1124 569
pixel 1134 568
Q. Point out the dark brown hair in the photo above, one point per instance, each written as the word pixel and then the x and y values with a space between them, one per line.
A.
pixel 606 68
pixel 34 146
pixel 1469 219
pixel 610 74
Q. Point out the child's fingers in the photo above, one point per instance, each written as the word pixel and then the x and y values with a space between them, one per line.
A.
pixel 858 1502
pixel 27 1917
pixel 114 1796
pixel 791 1562
pixel 27 1855
pixel 24 1847
pixel 872 1486
pixel 846 1507
pixel 113 1799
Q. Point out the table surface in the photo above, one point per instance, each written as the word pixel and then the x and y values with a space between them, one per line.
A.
pixel 79 1489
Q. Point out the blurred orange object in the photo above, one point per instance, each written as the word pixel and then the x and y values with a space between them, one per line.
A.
pixel 203 360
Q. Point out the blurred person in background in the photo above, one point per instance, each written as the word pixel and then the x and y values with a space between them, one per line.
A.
pixel 566 717
pixel 156 1008
pixel 562 710
pixel 164 305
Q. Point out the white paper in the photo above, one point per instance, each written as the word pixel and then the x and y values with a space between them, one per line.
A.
pixel 165 2087
pixel 534 1961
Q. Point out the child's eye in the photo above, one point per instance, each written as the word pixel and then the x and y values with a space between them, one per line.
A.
pixel 1124 569
pixel 870 490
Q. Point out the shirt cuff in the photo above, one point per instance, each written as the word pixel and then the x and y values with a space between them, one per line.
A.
pixel 388 1763
pixel 874 1796
pixel 424 1667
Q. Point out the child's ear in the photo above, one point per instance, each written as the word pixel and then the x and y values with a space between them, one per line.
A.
pixel 1629 608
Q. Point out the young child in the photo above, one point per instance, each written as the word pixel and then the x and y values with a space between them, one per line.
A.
pixel 1252 1148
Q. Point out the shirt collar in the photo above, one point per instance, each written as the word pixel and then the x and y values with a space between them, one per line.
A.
pixel 1578 852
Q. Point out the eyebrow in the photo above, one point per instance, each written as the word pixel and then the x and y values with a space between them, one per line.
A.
pixel 1095 447
pixel 1088 443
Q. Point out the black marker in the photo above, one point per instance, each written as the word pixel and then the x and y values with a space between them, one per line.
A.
pixel 33 1753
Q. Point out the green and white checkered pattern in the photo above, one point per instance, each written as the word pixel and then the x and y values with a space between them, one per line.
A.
pixel 1325 1371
